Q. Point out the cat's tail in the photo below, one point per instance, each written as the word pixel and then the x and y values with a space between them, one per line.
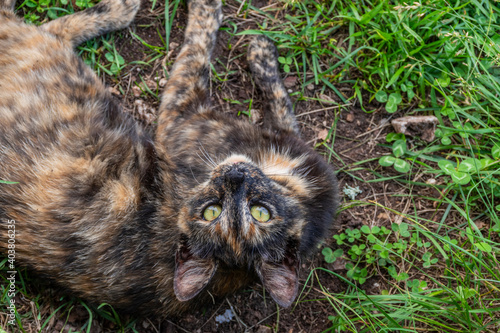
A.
pixel 263 60
pixel 7 5
pixel 106 16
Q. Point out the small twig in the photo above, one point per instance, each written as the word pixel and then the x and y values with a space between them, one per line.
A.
pixel 238 319
pixel 182 329
pixel 213 314
pixel 375 129
pixel 323 109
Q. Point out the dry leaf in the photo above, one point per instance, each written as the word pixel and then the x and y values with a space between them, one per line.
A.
pixel 325 98
pixel 383 216
pixel 323 134
pixel 290 81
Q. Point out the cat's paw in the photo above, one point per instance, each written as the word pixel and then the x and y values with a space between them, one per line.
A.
pixel 208 3
pixel 262 58
pixel 203 11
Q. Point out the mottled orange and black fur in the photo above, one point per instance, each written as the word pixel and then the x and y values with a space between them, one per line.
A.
pixel 114 213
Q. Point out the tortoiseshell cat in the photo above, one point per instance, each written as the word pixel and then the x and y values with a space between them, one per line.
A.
pixel 151 223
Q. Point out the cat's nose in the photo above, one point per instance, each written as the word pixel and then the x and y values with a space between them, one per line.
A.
pixel 235 176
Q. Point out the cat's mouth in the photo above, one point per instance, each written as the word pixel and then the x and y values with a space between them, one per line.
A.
pixel 239 220
pixel 280 278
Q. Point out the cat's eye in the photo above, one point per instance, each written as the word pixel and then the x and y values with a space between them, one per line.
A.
pixel 260 213
pixel 212 212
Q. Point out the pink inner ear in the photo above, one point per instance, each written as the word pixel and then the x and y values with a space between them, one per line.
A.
pixel 191 274
pixel 280 280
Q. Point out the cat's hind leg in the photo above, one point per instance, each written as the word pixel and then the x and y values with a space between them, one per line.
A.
pixel 278 111
pixel 106 16
pixel 7 5
pixel 187 87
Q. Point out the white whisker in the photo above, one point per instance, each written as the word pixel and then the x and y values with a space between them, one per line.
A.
pixel 207 158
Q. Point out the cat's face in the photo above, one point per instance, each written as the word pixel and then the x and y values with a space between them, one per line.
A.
pixel 247 214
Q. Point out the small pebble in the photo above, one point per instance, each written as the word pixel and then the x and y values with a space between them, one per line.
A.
pixel 150 84
pixel 113 90
pixel 225 317
pixel 136 91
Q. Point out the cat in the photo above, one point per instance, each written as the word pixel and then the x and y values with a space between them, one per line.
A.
pixel 155 221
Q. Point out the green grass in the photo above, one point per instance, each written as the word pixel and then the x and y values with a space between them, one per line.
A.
pixel 421 58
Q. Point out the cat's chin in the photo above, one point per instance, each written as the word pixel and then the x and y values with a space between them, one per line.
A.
pixel 235 158
pixel 280 278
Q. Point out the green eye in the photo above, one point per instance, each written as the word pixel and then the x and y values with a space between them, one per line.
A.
pixel 212 212
pixel 260 213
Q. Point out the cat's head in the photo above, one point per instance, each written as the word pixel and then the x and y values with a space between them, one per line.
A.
pixel 262 213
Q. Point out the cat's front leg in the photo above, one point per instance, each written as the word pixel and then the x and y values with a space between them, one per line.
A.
pixel 187 88
pixel 263 60
pixel 106 16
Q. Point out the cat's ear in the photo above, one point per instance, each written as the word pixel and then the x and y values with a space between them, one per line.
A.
pixel 281 279
pixel 192 274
